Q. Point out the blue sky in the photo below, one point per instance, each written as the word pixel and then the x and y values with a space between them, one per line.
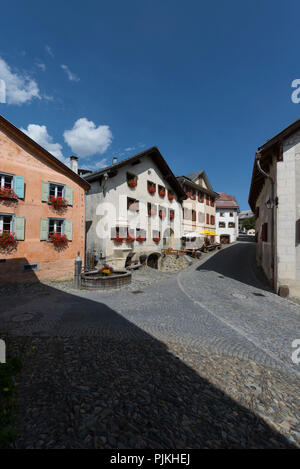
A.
pixel 207 82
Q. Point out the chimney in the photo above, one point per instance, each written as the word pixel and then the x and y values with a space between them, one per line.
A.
pixel 74 163
pixel 115 160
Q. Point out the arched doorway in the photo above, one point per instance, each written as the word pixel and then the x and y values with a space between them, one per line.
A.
pixel 152 261
pixel 168 238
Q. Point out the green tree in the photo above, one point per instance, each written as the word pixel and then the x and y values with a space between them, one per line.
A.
pixel 249 223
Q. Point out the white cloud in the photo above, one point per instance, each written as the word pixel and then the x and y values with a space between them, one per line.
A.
pixel 41 66
pixel 96 165
pixel 20 88
pixel 129 149
pixel 49 51
pixel 85 139
pixel 40 135
pixel 71 75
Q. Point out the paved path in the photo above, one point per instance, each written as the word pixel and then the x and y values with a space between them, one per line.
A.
pixel 203 306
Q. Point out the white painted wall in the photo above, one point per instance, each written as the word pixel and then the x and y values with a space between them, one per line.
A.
pixel 106 207
pixel 223 215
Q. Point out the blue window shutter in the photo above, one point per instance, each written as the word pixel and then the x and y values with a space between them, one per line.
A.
pixel 19 227
pixel 69 194
pixel 68 229
pixel 44 229
pixel 19 186
pixel 45 191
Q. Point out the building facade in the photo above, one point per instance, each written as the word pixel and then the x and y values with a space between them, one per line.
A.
pixel 275 199
pixel 227 225
pixel 133 210
pixel 244 215
pixel 199 207
pixel 41 211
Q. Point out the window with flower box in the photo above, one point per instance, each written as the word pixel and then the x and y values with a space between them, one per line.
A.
pixel 231 224
pixel 162 213
pixel 59 226
pixel 51 191
pixel 11 223
pixel 131 180
pixel 170 195
pixel 161 191
pixel 151 187
pixel 171 214
pixel 11 186
pixel 156 236
pixel 222 224
pixel 140 235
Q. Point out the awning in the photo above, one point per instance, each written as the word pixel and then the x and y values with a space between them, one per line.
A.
pixel 207 233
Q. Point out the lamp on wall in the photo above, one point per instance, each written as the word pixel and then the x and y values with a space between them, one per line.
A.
pixel 271 203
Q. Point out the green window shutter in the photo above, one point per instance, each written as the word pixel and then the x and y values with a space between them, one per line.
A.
pixel 45 191
pixel 69 194
pixel 19 227
pixel 19 186
pixel 68 229
pixel 44 229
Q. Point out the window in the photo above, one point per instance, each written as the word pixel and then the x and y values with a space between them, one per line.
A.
pixel 140 233
pixel 151 187
pixel 56 190
pixel 231 214
pixel 6 223
pixel 201 197
pixel 6 180
pixel 222 224
pixel 118 231
pixel 212 202
pixel 231 224
pixel 212 220
pixel 30 267
pixel 201 217
pixel 207 219
pixel 222 214
pixel 207 199
pixel 194 215
pixel 132 205
pixel 56 225
pixel 264 232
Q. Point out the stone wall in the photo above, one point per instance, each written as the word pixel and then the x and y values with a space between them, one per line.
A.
pixel 171 262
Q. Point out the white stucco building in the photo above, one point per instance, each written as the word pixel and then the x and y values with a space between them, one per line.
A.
pixel 133 209
pixel 227 223
pixel 199 207
pixel 275 199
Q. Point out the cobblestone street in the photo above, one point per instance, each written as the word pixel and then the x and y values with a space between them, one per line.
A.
pixel 200 358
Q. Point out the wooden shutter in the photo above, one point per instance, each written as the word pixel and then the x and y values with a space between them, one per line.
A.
pixel 19 228
pixel 44 229
pixel 45 191
pixel 68 229
pixel 19 186
pixel 69 194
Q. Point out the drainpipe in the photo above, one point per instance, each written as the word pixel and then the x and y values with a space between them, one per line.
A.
pixel 273 205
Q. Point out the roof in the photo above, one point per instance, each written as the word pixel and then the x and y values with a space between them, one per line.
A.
pixel 271 147
pixel 185 180
pixel 245 214
pixel 159 160
pixel 226 201
pixel 30 144
pixel 194 176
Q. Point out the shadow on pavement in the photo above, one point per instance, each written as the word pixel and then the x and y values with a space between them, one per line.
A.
pixel 95 380
pixel 239 263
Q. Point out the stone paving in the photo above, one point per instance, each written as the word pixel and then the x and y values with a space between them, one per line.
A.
pixel 193 360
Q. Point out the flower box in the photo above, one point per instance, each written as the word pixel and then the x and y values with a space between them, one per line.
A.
pixel 171 197
pixel 151 190
pixel 172 215
pixel 130 239
pixel 141 239
pixel 118 239
pixel 106 270
pixel 7 239
pixel 156 240
pixel 58 239
pixel 162 214
pixel 7 193
pixel 162 193
pixel 58 202
pixel 132 183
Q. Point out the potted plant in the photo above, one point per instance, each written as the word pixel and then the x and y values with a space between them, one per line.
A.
pixel 162 192
pixel 170 196
pixel 7 193
pixel 162 214
pixel 58 239
pixel 58 202
pixel 156 239
pixel 141 238
pixel 106 270
pixel 151 189
pixel 130 239
pixel 172 215
pixel 132 183
pixel 7 239
pixel 118 239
